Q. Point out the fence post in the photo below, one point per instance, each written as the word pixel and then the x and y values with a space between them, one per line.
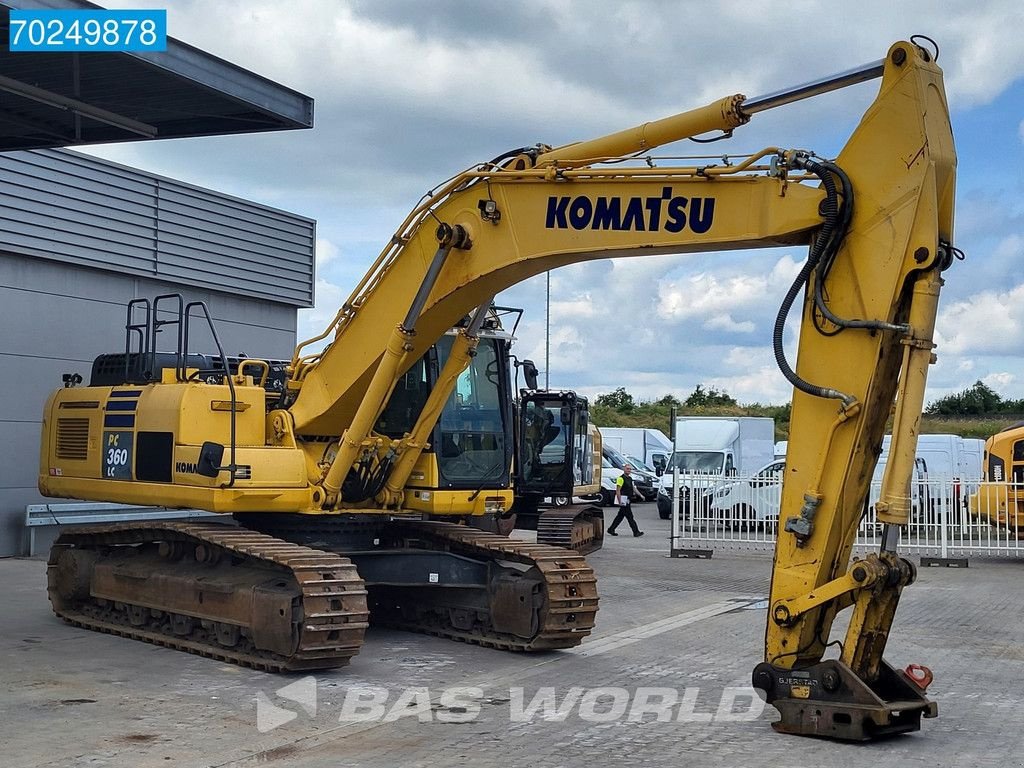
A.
pixel 944 497
pixel 694 512
pixel 673 546
pixel 944 548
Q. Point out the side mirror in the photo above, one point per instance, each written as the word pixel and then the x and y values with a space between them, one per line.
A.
pixel 210 457
pixel 530 373
pixel 566 414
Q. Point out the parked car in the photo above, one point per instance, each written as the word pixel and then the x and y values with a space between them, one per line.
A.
pixel 564 501
pixel 752 501
pixel 641 465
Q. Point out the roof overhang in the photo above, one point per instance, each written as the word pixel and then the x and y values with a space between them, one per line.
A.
pixel 67 99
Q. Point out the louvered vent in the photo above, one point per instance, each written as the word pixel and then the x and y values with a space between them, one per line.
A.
pixel 73 439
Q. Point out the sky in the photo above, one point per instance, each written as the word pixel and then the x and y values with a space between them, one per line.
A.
pixel 409 92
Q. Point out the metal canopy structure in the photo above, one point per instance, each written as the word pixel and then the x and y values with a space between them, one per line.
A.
pixel 67 99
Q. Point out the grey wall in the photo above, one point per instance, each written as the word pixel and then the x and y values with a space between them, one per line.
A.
pixel 71 207
pixel 55 319
pixel 81 237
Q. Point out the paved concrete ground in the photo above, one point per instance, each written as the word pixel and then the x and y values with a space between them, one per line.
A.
pixel 74 698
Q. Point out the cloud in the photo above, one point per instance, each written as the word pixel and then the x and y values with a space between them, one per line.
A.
pixel 312 322
pixel 408 93
pixel 1001 380
pixel 987 323
pixel 726 323
pixel 986 58
pixel 717 295
pixel 326 252
pixel 575 308
pixel 751 375
pixel 761 385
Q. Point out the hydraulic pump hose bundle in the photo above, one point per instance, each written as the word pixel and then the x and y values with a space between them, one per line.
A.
pixel 365 481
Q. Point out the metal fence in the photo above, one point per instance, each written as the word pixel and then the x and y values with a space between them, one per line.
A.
pixel 949 519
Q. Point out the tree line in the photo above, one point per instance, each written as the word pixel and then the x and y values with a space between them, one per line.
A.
pixel 621 409
pixel 977 400
pixel 977 411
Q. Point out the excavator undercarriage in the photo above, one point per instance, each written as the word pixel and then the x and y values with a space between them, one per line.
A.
pixel 578 527
pixel 280 596
pixel 211 589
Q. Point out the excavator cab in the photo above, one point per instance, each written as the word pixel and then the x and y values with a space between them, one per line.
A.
pixel 554 453
pixel 555 461
pixel 471 445
pixel 471 439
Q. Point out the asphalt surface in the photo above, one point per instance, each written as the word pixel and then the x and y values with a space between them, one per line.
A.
pixel 682 634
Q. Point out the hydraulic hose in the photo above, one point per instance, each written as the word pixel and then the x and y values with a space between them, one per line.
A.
pixel 364 481
pixel 830 210
pixel 825 170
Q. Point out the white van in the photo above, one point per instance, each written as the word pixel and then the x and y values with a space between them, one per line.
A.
pixel 947 468
pixel 973 454
pixel 919 488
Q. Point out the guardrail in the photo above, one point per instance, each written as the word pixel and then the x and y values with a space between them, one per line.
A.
pixel 950 520
pixel 87 513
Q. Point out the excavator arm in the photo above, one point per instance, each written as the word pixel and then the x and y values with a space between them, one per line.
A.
pixel 888 268
pixel 536 224
pixel 879 222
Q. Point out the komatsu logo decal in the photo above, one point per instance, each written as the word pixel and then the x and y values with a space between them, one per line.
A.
pixel 185 467
pixel 635 214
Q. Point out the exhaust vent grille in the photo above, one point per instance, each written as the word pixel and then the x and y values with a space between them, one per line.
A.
pixel 73 439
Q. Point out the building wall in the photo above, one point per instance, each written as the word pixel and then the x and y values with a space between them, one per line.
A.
pixel 66 206
pixel 62 302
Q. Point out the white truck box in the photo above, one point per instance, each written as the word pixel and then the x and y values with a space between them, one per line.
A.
pixel 649 445
pixel 714 447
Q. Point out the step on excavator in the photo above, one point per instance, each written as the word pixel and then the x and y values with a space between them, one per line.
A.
pixel 362 487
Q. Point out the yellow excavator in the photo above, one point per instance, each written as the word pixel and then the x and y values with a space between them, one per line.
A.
pixel 999 498
pixel 349 484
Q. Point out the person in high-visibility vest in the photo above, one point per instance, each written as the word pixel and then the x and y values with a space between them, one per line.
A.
pixel 624 492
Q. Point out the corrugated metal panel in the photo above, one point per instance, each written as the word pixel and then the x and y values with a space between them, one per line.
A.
pixel 61 205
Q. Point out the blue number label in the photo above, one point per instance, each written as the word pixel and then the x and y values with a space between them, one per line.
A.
pixel 86 31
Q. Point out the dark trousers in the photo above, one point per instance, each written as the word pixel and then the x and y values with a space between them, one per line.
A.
pixel 625 513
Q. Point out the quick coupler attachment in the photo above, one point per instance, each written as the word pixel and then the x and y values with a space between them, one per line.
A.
pixel 829 700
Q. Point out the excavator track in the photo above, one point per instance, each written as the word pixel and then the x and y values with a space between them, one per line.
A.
pixel 567 603
pixel 548 601
pixel 579 528
pixel 214 590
